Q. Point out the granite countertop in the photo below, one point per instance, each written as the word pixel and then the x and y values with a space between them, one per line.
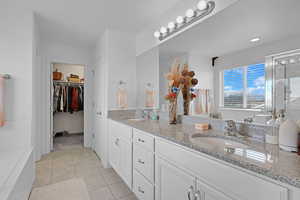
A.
pixel 261 158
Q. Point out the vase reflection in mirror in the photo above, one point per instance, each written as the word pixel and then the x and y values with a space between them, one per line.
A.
pixel 122 96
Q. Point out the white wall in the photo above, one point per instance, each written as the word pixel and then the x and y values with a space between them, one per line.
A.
pixel 16 50
pixel 53 52
pixel 122 66
pixel 247 57
pixel 114 61
pixel 202 67
pixel 147 71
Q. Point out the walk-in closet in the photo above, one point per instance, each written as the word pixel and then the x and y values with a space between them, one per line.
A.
pixel 68 105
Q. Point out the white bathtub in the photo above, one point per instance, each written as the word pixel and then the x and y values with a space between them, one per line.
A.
pixel 16 173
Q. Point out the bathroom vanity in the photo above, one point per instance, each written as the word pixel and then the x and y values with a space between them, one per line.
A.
pixel 161 161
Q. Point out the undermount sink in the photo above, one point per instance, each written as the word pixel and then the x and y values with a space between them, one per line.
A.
pixel 217 142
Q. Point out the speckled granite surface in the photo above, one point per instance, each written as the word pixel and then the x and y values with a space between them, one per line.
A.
pixel 261 158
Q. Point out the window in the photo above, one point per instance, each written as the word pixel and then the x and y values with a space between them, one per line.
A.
pixel 243 87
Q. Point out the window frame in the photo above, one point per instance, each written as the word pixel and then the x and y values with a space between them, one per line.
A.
pixel 245 90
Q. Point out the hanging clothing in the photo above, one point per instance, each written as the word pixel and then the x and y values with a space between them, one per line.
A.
pixel 68 98
pixel 75 98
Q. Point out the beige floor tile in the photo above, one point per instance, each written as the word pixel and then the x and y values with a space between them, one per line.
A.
pixel 62 174
pixel 41 181
pixel 94 182
pixel 83 170
pixel 110 176
pixel 74 189
pixel 130 197
pixel 101 194
pixel 120 190
pixel 44 164
pixel 43 174
pixel 70 162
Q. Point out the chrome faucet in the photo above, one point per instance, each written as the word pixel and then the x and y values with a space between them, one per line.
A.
pixel 231 129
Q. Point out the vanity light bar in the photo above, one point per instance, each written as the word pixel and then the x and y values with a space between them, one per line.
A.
pixel 192 16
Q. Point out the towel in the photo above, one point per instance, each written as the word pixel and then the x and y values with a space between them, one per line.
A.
pixel 1 101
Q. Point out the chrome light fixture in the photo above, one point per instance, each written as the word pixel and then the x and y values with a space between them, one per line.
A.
pixel 202 5
pixel 171 25
pixel 204 8
pixel 157 34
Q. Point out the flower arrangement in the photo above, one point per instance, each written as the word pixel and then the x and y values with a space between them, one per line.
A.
pixel 189 82
pixel 179 80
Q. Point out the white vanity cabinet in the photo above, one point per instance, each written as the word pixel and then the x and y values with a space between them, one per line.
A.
pixel 158 169
pixel 120 150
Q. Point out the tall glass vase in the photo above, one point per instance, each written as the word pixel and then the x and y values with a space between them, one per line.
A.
pixel 173 112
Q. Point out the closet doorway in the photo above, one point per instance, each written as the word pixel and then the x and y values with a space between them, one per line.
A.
pixel 67 106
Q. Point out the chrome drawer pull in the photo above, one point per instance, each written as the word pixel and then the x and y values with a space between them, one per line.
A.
pixel 140 190
pixel 140 161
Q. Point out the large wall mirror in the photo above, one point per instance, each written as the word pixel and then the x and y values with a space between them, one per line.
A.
pixel 230 54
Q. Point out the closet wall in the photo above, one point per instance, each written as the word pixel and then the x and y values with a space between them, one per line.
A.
pixel 64 121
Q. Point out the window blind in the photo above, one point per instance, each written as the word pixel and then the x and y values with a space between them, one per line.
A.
pixel 244 87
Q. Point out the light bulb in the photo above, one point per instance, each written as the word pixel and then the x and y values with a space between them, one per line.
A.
pixel 171 25
pixel 283 62
pixel 157 34
pixel 179 20
pixel 292 61
pixel 163 30
pixel 190 13
pixel 202 5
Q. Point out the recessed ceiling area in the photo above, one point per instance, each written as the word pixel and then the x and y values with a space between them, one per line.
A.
pixel 233 28
pixel 81 22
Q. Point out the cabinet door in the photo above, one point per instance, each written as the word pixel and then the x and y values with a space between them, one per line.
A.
pixel 114 153
pixel 172 183
pixel 126 161
pixel 205 192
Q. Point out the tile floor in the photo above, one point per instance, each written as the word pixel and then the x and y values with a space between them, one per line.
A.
pixel 74 161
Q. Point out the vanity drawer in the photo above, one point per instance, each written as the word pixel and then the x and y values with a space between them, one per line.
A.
pixel 143 189
pixel 121 130
pixel 143 139
pixel 143 161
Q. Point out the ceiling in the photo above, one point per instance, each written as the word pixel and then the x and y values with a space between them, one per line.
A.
pixel 232 29
pixel 81 22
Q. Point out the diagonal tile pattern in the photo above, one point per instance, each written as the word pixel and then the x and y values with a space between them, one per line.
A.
pixel 76 162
